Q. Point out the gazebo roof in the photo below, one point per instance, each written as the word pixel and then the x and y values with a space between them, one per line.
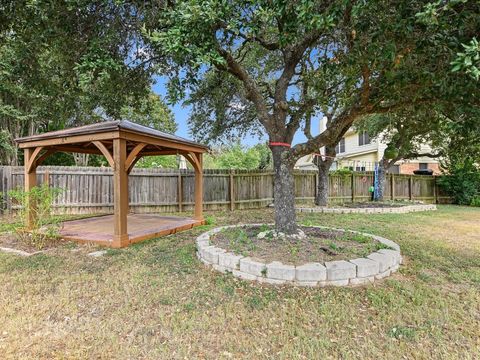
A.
pixel 106 131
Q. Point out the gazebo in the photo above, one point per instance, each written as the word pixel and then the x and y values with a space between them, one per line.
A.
pixel 122 143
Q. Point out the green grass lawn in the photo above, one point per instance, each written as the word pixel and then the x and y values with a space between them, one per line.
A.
pixel 155 300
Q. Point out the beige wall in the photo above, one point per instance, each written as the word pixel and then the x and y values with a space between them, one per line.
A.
pixel 352 147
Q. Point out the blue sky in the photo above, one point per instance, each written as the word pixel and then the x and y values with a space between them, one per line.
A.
pixel 181 118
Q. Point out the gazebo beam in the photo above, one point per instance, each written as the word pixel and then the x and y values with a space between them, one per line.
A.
pixel 78 149
pixel 31 163
pixel 45 155
pixel 103 149
pixel 132 157
pixel 72 140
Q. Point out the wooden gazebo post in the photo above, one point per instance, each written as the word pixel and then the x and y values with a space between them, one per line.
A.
pixel 196 159
pixel 198 215
pixel 30 183
pixel 120 193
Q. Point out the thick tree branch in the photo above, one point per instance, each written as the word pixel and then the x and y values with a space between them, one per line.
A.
pixel 253 92
pixel 292 56
pixel 269 45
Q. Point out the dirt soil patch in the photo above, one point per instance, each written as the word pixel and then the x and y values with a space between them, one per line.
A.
pixel 11 241
pixel 319 245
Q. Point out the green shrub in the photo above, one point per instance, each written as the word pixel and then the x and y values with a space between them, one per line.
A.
pixel 210 220
pixel 462 182
pixel 44 229
pixel 476 201
pixel 342 172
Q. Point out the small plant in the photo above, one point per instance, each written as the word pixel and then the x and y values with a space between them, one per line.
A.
pixel 402 332
pixel 333 246
pixel 380 246
pixel 210 220
pixel 308 222
pixel 265 232
pixel 239 240
pixel 264 272
pixel 263 228
pixel 36 204
pixel 362 239
pixel 294 249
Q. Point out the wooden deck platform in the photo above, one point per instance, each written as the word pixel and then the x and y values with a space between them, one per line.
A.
pixel 99 230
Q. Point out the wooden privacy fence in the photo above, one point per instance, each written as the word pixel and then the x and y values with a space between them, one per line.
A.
pixel 90 189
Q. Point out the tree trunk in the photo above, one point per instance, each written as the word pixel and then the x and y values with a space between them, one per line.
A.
pixel 382 170
pixel 321 198
pixel 283 191
pixel 81 159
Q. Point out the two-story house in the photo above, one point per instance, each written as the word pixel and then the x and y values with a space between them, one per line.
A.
pixel 356 151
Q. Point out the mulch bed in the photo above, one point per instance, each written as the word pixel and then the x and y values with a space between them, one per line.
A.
pixel 372 204
pixel 320 245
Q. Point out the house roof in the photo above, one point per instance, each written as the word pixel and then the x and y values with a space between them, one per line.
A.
pixel 106 127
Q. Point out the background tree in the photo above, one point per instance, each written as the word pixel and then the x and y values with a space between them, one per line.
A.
pixel 150 111
pixel 276 65
pixel 461 160
pixel 405 132
pixel 67 63
pixel 236 156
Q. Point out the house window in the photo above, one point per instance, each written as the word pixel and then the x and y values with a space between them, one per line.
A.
pixel 423 166
pixel 363 138
pixel 340 148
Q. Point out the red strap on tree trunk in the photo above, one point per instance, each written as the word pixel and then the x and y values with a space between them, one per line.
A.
pixel 279 144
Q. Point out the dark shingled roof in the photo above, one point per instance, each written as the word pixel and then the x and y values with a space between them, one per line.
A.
pixel 107 126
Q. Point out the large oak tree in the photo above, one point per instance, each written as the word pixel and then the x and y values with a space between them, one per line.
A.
pixel 276 65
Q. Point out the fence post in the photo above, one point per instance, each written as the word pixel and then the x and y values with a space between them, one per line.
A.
pixel 410 187
pixel 353 186
pixel 46 178
pixel 392 186
pixel 7 187
pixel 2 189
pixel 180 191
pixel 232 192
pixel 435 191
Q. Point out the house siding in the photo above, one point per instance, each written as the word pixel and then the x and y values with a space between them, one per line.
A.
pixel 356 155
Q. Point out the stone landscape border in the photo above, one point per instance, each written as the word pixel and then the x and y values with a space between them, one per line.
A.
pixel 373 210
pixel 377 265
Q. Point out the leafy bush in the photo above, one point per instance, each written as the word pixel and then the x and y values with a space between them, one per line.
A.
pixel 476 201
pixel 342 172
pixel 210 220
pixel 44 229
pixel 462 182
